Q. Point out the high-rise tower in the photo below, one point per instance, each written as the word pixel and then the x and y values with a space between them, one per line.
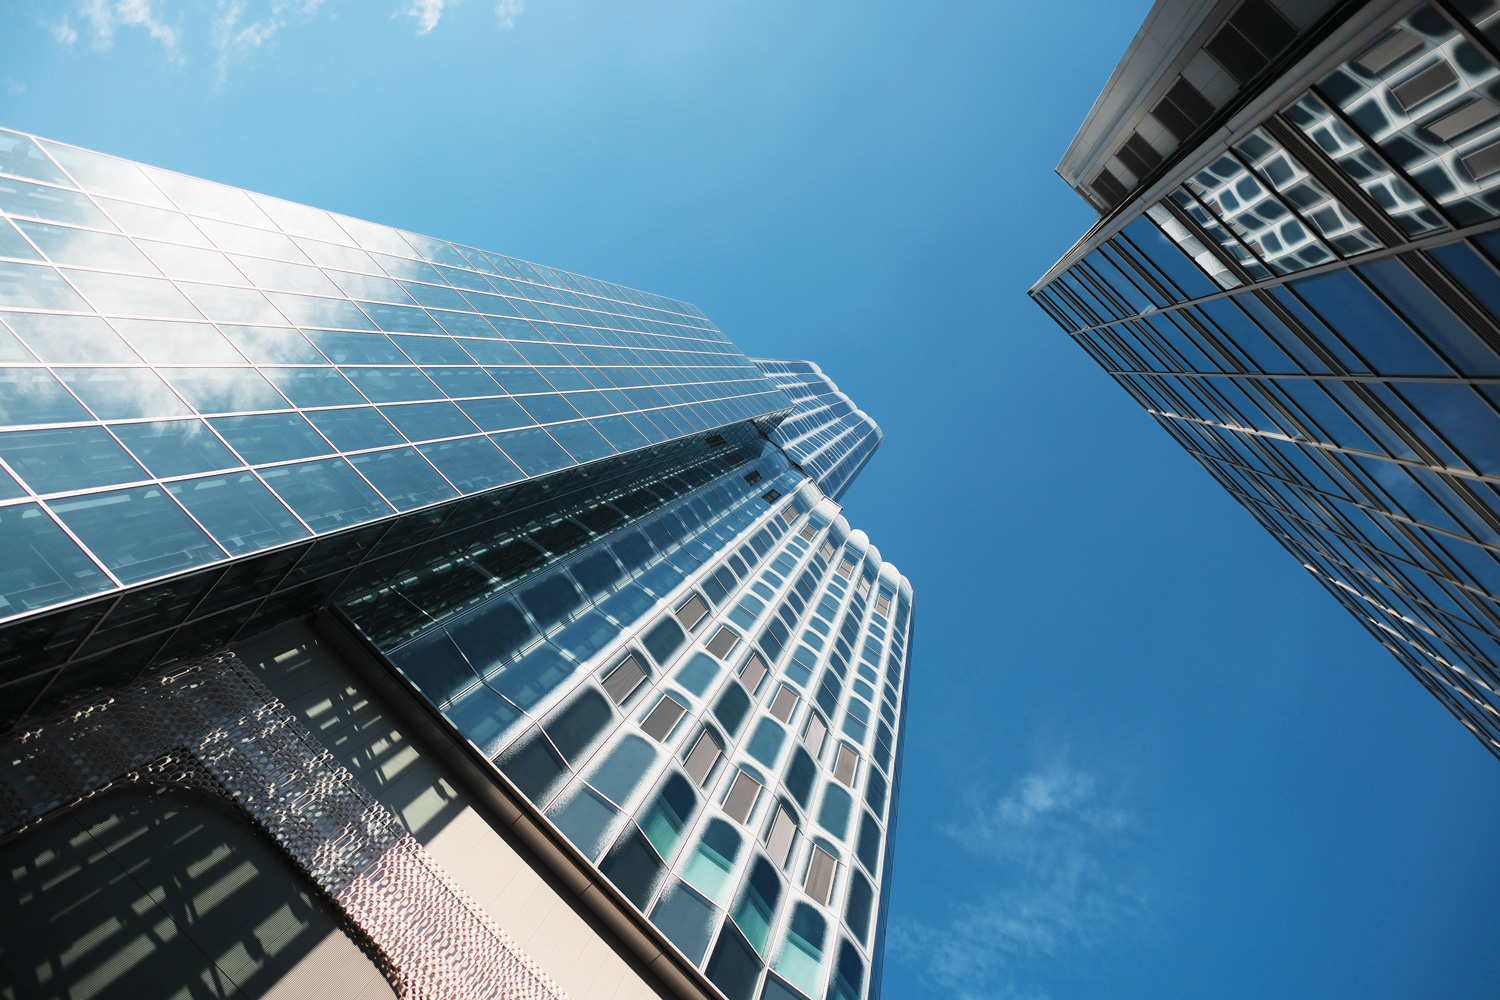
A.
pixel 401 616
pixel 1295 273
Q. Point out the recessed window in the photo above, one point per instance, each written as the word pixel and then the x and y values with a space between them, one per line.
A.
pixel 809 532
pixel 826 551
pixel 814 733
pixel 714 440
pixel 783 833
pixel 702 758
pixel 771 496
pixel 753 672
pixel 741 798
pixel 663 718
pixel 820 872
pixel 845 765
pixel 864 587
pixel 784 704
pixel 789 514
pixel 623 680
pixel 883 606
pixel 753 477
pixel 691 612
pixel 846 568
pixel 722 642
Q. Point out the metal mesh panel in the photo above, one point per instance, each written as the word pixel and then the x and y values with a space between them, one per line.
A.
pixel 213 726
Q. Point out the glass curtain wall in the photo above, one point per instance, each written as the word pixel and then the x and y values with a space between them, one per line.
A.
pixel 1315 316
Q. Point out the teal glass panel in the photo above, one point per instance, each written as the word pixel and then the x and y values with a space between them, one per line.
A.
pixel 326 494
pixel 403 477
pixel 138 533
pixel 39 564
pixel 123 393
pixel 176 447
pixel 238 511
pixel 60 459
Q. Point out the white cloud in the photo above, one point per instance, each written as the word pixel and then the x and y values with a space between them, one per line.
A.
pixel 1051 878
pixel 64 32
pixel 427 13
pixel 508 10
pixel 13 87
pixel 235 36
pixel 104 16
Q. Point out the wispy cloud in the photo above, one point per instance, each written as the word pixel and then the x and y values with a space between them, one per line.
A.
pixel 1053 879
pixel 235 36
pixel 427 13
pixel 104 16
pixel 235 29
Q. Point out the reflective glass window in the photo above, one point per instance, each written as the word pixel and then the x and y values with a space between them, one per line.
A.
pixel 306 311
pixel 1345 304
pixel 131 295
pixel 313 386
pixel 326 494
pixel 240 513
pixel 60 459
pixel 33 201
pixel 1474 274
pixel 122 393
pixel 583 442
pixel 463 324
pixel 82 248
pixel 532 450
pixel 401 319
pixel 138 533
pixel 78 339
pixel 392 385
pixel 100 174
pixel 39 564
pixel 355 428
pixel 357 348
pixel 432 350
pixel 471 464
pixel 1174 264
pixel 547 408
pixel 192 263
pixel 1461 415
pixel 403 477
pixel 233 305
pixel 178 343
pixel 12 245
pixel 271 437
pixel 20 156
pixel 1415 301
pixel 461 382
pixel 620 433
pixel 36 286
pixel 428 421
pixel 519 380
pixel 224 390
pixel 273 346
pixel 176 447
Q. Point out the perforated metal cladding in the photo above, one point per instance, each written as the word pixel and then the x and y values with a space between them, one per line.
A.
pixel 212 725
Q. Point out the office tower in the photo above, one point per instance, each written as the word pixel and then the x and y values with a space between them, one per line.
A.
pixel 1294 272
pixel 830 437
pixel 388 616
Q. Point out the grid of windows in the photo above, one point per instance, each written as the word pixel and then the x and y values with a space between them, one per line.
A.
pixel 1315 314
pixel 191 373
pixel 670 759
pixel 826 434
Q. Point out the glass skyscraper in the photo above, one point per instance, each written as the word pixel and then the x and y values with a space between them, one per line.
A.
pixel 1295 272
pixel 555 546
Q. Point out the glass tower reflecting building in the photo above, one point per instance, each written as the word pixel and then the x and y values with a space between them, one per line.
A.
pixel 1295 273
pixel 556 547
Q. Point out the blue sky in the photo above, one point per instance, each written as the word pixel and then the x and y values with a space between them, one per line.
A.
pixel 1147 756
